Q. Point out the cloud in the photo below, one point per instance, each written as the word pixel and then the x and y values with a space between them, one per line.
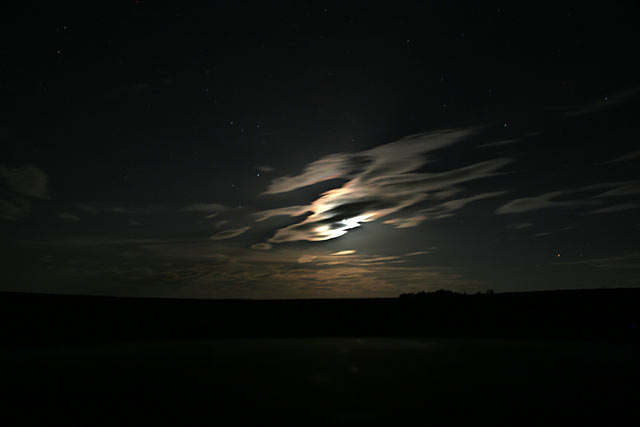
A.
pixel 378 259
pixel 454 205
pixel 443 210
pixel 519 226
pixel 627 261
pixel 122 210
pixel 345 252
pixel 68 216
pixel 378 182
pixel 205 208
pixel 93 210
pixel 625 157
pixel 606 102
pixel 228 234
pixel 265 168
pixel 188 267
pixel 26 180
pixel 303 259
pixel 499 143
pixel 221 223
pixel 13 209
pixel 407 222
pixel 330 167
pixel 90 209
pixel 288 211
pixel 616 208
pixel 262 246
pixel 417 253
pixel 626 188
pixel 543 201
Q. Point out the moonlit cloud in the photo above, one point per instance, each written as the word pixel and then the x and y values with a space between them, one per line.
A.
pixel 214 269
pixel 407 222
pixel 265 168
pixel 123 210
pixel 607 102
pixel 209 208
pixel 345 252
pixel 330 167
pixel 378 182
pixel 90 209
pixel 228 234
pixel 623 189
pixel 519 226
pixel 616 208
pixel 68 216
pixel 499 143
pixel 287 211
pixel 543 201
pixel 625 157
pixel 13 209
pixel 262 246
pixel 26 180
pixel 417 253
pixel 627 261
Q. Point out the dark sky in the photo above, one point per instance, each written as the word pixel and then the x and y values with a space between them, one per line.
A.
pixel 319 150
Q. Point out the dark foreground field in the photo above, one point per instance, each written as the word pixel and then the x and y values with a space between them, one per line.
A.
pixel 347 381
pixel 458 371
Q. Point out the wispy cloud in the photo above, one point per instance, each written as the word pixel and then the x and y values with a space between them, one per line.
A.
pixel 417 253
pixel 622 189
pixel 228 234
pixel 123 210
pixel 378 182
pixel 441 211
pixel 616 208
pixel 625 157
pixel 519 226
pixel 631 260
pixel 499 143
pixel 89 209
pixel 262 246
pixel 13 209
pixel 345 252
pixel 543 201
pixel 265 168
pixel 26 180
pixel 68 216
pixel 287 211
pixel 606 102
pixel 208 208
pixel 216 270
pixel 407 222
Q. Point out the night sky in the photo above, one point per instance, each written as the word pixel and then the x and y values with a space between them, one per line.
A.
pixel 319 150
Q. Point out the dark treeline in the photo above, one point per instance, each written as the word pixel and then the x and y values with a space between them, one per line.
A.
pixel 39 319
